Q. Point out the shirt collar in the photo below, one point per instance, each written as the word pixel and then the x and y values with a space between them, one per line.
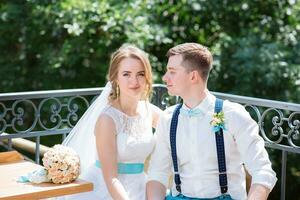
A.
pixel 203 106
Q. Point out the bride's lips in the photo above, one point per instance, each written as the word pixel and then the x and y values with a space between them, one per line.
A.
pixel 135 88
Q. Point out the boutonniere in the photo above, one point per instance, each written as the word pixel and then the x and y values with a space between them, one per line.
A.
pixel 218 121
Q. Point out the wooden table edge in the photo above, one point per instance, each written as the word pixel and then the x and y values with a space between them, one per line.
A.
pixel 85 187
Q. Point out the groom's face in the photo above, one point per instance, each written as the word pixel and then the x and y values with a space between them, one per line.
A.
pixel 176 76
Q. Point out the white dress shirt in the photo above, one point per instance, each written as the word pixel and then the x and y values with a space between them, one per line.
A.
pixel 197 156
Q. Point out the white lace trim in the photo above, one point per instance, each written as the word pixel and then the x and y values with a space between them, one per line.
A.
pixel 134 126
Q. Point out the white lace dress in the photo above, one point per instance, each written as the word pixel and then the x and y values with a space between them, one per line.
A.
pixel 135 141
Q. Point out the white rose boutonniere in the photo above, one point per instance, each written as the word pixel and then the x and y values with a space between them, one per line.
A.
pixel 218 121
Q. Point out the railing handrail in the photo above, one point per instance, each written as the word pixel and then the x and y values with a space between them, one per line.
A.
pixel 260 101
pixel 49 93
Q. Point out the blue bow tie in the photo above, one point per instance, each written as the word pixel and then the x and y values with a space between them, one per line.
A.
pixel 191 112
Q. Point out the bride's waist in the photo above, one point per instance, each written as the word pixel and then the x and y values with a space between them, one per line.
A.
pixel 126 168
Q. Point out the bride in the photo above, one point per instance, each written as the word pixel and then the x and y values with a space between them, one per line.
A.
pixel 114 137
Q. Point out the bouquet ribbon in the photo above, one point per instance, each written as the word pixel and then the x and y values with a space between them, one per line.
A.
pixel 37 176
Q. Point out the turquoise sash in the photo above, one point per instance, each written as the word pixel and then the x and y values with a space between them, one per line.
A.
pixel 180 196
pixel 127 168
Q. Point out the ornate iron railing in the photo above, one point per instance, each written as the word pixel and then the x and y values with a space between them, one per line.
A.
pixel 44 113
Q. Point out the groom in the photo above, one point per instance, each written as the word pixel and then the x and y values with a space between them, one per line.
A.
pixel 205 141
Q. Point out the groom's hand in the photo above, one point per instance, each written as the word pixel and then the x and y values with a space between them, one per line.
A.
pixel 155 190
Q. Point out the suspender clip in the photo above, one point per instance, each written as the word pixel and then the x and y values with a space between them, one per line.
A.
pixel 178 188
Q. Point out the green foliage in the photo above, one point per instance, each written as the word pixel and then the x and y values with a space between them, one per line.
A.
pixel 49 44
pixel 67 44
pixel 255 43
pixel 258 68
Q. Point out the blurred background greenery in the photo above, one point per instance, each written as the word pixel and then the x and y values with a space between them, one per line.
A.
pixel 51 44
pixel 60 44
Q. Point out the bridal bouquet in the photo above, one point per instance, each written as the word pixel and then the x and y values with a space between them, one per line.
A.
pixel 61 165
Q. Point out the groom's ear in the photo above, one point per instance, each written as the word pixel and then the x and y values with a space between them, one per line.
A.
pixel 195 76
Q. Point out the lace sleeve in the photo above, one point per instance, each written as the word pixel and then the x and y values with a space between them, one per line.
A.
pixel 115 117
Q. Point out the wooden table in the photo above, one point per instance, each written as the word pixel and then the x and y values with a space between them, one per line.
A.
pixel 11 189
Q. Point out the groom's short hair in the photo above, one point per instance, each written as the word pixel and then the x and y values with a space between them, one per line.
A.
pixel 194 57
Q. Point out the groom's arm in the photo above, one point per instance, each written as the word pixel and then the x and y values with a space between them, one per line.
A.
pixel 155 190
pixel 252 150
pixel 258 192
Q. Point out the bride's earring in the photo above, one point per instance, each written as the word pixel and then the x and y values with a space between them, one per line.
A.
pixel 117 91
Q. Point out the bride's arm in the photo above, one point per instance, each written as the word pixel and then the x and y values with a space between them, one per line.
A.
pixel 105 133
pixel 156 111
